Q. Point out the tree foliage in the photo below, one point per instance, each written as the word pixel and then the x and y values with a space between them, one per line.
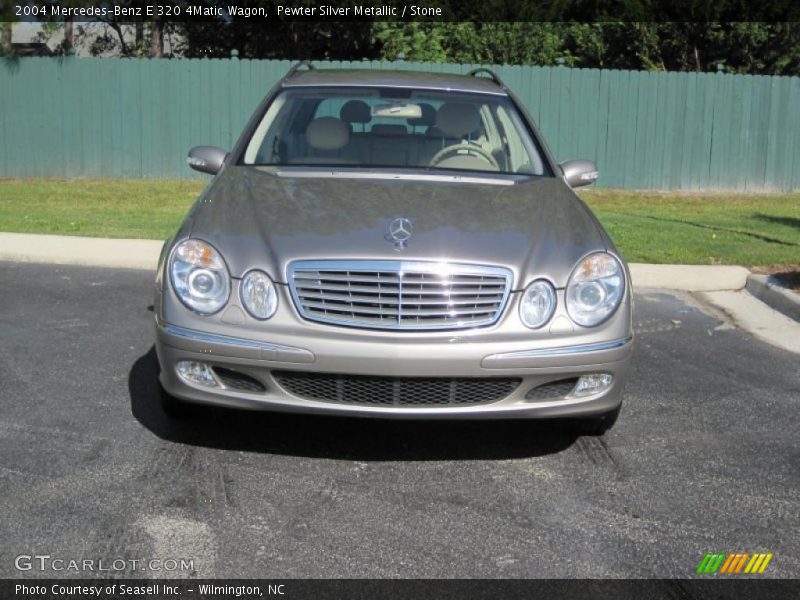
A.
pixel 110 37
pixel 279 39
pixel 538 35
pixel 764 48
pixel 757 48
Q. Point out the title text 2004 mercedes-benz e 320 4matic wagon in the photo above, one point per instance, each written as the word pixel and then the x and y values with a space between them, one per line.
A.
pixel 398 245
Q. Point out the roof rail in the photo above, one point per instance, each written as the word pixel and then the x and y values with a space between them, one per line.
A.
pixel 295 68
pixel 492 75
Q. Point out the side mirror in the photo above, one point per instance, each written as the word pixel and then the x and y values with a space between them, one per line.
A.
pixel 580 172
pixel 206 159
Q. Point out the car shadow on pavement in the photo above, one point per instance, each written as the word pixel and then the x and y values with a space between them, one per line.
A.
pixel 338 437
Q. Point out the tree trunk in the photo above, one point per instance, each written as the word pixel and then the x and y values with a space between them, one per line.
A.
pixel 156 38
pixel 69 36
pixel 139 37
pixel 123 47
pixel 5 37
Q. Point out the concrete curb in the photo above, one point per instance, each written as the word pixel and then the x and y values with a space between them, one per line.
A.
pixel 757 318
pixel 72 250
pixel 690 278
pixel 770 292
pixel 143 254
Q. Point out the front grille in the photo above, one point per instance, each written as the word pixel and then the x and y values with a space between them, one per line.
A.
pixel 552 390
pixel 238 381
pixel 396 391
pixel 399 294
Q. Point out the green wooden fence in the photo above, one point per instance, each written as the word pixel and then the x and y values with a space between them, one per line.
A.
pixel 86 117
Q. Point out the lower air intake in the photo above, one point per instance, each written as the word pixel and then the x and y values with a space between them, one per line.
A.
pixel 554 390
pixel 238 381
pixel 396 391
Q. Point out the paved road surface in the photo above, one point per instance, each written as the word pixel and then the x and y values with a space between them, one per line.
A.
pixel 705 457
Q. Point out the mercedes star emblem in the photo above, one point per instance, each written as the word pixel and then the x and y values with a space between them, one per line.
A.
pixel 399 231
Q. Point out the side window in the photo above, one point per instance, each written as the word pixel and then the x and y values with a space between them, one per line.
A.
pixel 489 127
pixel 263 145
pixel 517 156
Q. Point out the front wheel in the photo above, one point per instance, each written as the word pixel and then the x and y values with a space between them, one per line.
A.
pixel 596 425
pixel 173 407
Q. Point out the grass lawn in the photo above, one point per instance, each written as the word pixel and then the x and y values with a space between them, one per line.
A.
pixel 703 229
pixel 655 227
pixel 116 208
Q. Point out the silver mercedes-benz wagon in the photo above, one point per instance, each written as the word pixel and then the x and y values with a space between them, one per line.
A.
pixel 393 244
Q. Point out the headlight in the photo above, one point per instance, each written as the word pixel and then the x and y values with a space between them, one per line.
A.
pixel 258 294
pixel 537 304
pixel 199 276
pixel 595 289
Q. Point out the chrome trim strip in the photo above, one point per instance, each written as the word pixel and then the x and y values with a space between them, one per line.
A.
pixel 565 350
pixel 213 338
pixel 427 86
pixel 321 174
pixel 399 266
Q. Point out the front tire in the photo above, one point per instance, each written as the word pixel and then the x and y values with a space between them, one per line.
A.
pixel 173 407
pixel 596 425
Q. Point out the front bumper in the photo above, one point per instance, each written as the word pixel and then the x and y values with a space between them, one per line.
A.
pixel 392 357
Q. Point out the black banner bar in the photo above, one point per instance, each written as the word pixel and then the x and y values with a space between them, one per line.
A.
pixel 253 11
pixel 368 589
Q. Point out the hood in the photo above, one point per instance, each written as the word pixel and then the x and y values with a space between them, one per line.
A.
pixel 257 219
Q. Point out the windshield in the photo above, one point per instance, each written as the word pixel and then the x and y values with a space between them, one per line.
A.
pixel 394 128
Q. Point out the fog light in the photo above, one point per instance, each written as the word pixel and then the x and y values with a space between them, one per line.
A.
pixel 196 372
pixel 592 384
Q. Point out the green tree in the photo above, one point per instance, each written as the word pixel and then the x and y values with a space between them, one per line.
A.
pixel 414 41
pixel 757 48
pixel 309 40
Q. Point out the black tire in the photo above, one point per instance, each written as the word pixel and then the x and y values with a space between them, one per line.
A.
pixel 173 407
pixel 597 425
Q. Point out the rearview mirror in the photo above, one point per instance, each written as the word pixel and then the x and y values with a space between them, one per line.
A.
pixel 579 172
pixel 206 159
pixel 397 111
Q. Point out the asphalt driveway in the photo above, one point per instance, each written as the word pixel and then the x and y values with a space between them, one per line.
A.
pixel 705 457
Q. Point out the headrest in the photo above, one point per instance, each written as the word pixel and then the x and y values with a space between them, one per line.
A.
pixel 428 116
pixel 386 129
pixel 457 120
pixel 355 111
pixel 327 133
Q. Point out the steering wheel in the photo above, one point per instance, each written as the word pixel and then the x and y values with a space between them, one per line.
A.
pixel 469 148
